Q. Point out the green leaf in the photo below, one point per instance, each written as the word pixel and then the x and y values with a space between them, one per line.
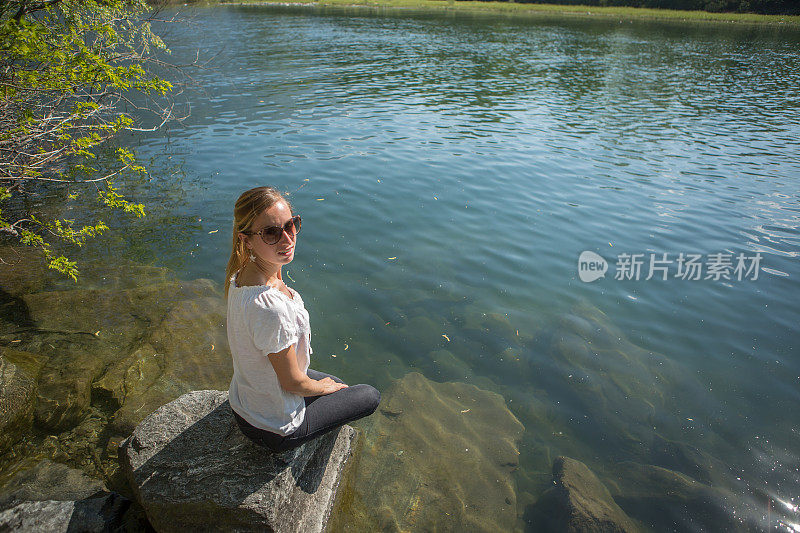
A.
pixel 63 67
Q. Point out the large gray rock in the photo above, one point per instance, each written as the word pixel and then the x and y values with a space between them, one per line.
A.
pixel 191 469
pixel 577 502
pixel 104 513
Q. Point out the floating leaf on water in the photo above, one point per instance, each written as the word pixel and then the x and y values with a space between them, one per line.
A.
pixel 97 333
pixel 464 411
pixel 212 347
pixel 213 231
pixel 346 346
pixel 446 337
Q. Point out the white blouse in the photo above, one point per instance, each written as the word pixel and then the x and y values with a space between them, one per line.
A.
pixel 263 320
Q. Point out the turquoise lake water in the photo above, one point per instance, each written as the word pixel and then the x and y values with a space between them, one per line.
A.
pixel 450 170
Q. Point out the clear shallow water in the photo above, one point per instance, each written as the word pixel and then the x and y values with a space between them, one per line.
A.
pixel 450 167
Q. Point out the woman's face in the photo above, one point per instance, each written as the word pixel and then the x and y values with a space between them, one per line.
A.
pixel 280 253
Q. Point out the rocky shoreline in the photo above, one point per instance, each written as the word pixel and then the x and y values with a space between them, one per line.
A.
pixel 458 440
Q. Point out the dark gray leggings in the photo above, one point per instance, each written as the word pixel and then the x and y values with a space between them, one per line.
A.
pixel 323 414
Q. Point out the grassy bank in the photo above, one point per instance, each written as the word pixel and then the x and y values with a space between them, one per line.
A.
pixel 624 13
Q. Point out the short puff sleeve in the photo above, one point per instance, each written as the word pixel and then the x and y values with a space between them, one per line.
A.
pixel 272 323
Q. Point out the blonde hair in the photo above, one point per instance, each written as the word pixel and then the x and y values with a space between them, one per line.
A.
pixel 249 205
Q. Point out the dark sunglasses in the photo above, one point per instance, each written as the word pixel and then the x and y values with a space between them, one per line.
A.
pixel 272 234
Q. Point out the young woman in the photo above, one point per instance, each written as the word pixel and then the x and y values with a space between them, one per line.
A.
pixel 278 402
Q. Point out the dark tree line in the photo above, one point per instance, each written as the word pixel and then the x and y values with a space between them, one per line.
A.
pixel 767 7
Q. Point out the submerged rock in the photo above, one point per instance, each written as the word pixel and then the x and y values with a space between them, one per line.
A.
pixel 23 270
pixel 100 514
pixel 186 350
pixel 577 502
pixel 65 388
pixel 17 397
pixel 192 469
pixel 125 376
pixel 435 456
pixel 663 498
pixel 101 327
pixel 617 390
pixel 689 460
pixel 50 481
pixel 89 363
pixel 133 349
pixel 447 367
pixel 482 326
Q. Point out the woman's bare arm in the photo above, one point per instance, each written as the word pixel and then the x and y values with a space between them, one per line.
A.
pixel 294 380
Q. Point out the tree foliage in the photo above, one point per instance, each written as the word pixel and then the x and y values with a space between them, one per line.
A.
pixel 68 68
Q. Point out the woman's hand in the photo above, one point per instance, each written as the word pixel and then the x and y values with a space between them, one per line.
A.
pixel 294 380
pixel 329 386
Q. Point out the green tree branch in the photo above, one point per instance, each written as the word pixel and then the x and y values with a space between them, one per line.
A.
pixel 66 68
